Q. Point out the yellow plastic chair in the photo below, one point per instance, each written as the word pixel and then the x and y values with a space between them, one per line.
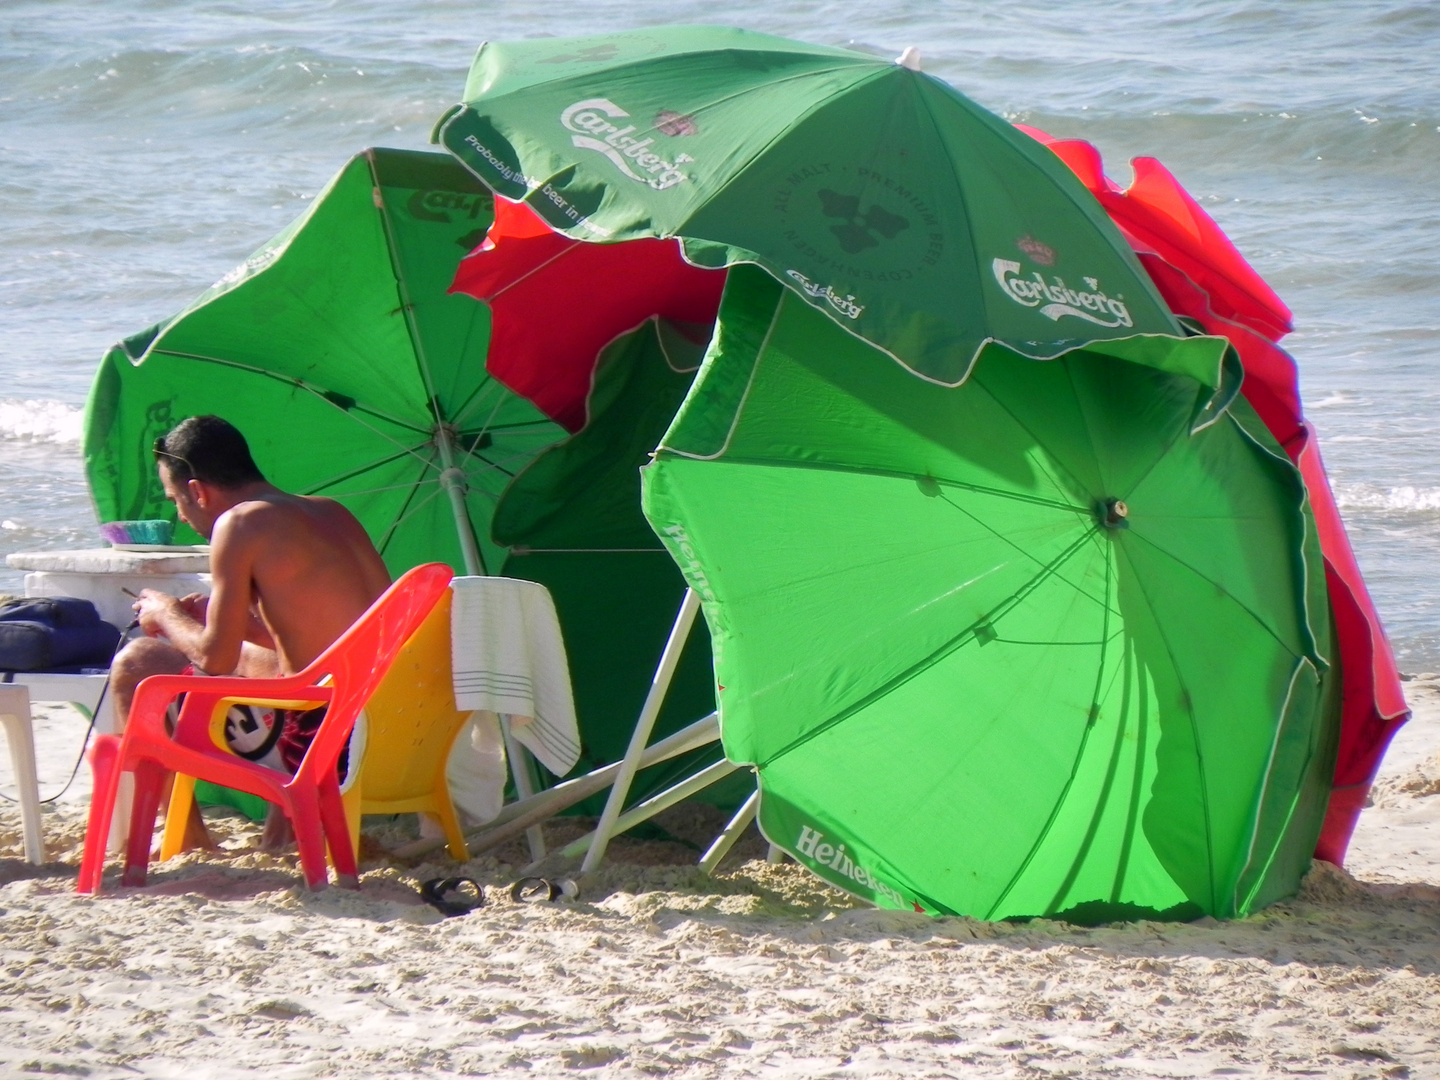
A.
pixel 410 724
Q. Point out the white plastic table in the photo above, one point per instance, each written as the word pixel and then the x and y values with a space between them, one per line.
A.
pixel 15 716
pixel 82 691
pixel 101 575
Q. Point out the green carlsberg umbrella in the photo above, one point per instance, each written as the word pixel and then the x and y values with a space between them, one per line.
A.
pixel 906 213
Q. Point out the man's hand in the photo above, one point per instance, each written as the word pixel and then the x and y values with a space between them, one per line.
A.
pixel 195 605
pixel 153 608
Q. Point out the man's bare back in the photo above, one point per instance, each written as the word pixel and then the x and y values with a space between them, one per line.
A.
pixel 310 567
pixel 289 574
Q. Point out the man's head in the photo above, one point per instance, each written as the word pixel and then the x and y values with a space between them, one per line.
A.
pixel 203 461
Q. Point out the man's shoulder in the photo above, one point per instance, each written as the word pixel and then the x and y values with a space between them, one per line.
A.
pixel 293 514
pixel 263 508
pixel 328 508
pixel 281 510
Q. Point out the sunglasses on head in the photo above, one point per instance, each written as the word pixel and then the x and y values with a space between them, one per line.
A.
pixel 160 452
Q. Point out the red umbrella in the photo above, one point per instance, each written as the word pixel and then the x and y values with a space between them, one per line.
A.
pixel 1200 274
pixel 555 303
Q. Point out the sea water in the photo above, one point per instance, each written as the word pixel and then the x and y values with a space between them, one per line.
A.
pixel 147 146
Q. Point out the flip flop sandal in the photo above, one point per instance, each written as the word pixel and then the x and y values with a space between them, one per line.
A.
pixel 449 895
pixel 537 890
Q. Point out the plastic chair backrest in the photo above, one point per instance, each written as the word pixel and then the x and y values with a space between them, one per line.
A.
pixel 358 660
pixel 411 718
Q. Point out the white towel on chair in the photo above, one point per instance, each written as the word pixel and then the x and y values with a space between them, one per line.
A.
pixel 508 657
pixel 475 772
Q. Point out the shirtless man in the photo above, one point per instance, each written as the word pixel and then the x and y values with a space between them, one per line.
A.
pixel 289 575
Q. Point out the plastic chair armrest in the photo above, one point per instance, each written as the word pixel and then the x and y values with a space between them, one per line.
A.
pixel 204 694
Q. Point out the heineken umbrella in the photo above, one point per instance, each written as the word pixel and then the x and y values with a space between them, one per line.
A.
pixel 1053 642
pixel 880 195
pixel 336 349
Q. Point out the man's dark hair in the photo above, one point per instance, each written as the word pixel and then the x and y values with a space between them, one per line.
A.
pixel 210 449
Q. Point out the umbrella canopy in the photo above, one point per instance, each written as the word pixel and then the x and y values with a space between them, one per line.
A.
pixel 1049 643
pixel 572 521
pixel 549 351
pixel 906 213
pixel 336 349
pixel 1202 275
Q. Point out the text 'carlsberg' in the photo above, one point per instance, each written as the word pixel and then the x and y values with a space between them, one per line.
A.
pixel 1092 305
pixel 590 121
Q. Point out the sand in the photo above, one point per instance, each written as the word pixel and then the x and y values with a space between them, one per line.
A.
pixel 224 966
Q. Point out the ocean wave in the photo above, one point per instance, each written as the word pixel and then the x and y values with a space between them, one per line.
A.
pixel 1375 497
pixel 40 421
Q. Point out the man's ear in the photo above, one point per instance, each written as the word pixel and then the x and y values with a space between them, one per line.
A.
pixel 199 492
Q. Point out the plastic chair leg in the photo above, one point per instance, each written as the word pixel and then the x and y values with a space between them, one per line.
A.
pixel 309 839
pixel 16 716
pixel 177 814
pixel 105 767
pixel 149 777
pixel 450 822
pixel 335 824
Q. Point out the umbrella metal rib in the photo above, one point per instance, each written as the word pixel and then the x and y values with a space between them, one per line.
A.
pixel 1208 831
pixel 299 384
pixel 1044 831
pixel 935 656
pixel 1254 615
pixel 452 479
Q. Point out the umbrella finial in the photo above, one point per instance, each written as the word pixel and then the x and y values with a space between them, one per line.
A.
pixel 910 58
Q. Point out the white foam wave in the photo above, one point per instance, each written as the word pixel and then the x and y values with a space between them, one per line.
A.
pixel 40 421
pixel 1375 497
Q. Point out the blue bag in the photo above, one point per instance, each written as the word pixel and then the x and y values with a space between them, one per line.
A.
pixel 54 633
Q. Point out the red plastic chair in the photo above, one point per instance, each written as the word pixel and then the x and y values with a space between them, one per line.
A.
pixel 342 678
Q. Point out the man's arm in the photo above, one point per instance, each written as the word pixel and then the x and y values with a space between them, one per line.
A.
pixel 258 633
pixel 194 605
pixel 214 644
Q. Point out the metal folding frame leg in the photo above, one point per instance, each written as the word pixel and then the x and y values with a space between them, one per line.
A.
pixel 726 840
pixel 531 808
pixel 650 807
pixel 515 818
pixel 609 821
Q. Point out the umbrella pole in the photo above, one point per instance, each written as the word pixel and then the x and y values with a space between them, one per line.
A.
pixel 620 790
pixel 520 771
pixel 452 479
